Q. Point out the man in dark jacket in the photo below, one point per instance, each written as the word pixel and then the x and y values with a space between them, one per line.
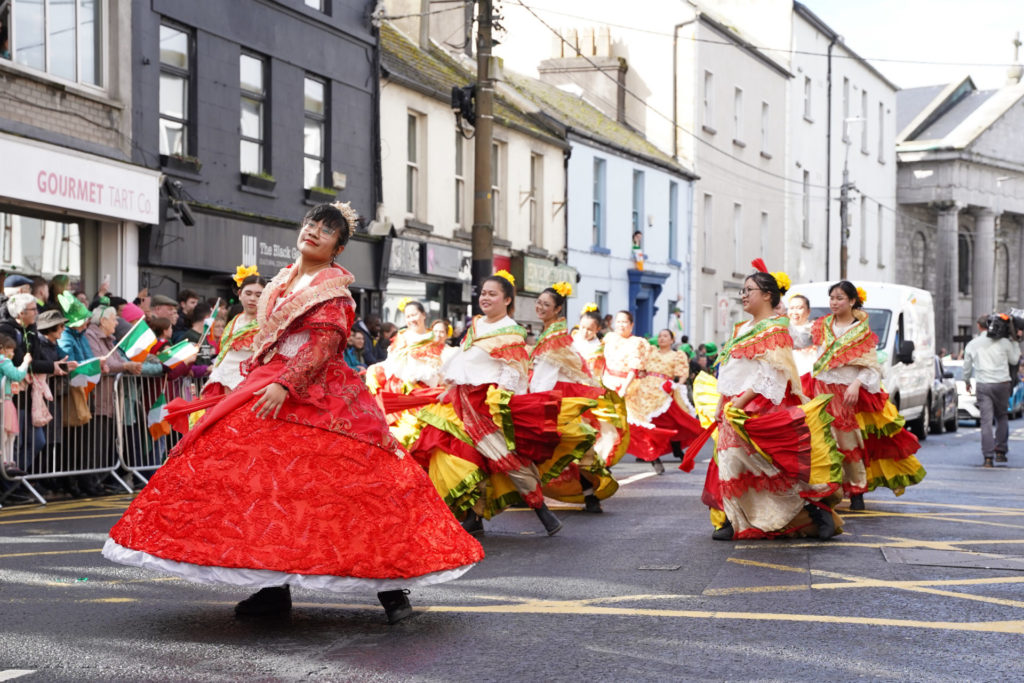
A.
pixel 17 321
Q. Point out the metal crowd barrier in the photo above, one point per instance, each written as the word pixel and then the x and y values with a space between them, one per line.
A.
pixel 144 449
pixel 60 447
pixel 115 437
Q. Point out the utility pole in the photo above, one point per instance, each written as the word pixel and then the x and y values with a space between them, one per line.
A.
pixel 844 201
pixel 483 221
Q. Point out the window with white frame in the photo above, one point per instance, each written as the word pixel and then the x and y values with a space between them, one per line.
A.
pixel 498 189
pixel 846 109
pixel 709 100
pixel 598 234
pixel 460 180
pixel 864 121
pixel 737 115
pixel 707 227
pixel 536 199
pixel 638 201
pixel 314 133
pixel 880 217
pixel 881 132
pixel 64 38
pixel 601 299
pixel 807 98
pixel 765 125
pixel 414 158
pixel 737 238
pixel 253 126
pixel 863 229
pixel 673 221
pixel 315 4
pixel 805 208
pixel 175 90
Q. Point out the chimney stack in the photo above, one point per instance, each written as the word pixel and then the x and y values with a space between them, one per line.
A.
pixel 584 59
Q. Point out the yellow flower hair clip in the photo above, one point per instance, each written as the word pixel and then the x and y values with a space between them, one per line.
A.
pixel 507 276
pixel 589 308
pixel 782 280
pixel 862 295
pixel 242 272
pixel 563 288
pixel 403 302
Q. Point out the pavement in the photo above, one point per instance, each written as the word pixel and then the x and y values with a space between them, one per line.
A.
pixel 926 586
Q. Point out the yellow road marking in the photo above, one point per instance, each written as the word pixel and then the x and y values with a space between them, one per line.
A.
pixel 854 581
pixel 55 519
pixel 51 552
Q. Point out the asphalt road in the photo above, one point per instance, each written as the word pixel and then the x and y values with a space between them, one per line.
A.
pixel 922 587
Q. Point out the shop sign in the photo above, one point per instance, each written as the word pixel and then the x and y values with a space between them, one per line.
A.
pixel 52 176
pixel 442 260
pixel 536 275
pixel 405 257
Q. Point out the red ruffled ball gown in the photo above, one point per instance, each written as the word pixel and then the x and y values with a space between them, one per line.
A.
pixel 661 419
pixel 775 454
pixel 877 449
pixel 320 497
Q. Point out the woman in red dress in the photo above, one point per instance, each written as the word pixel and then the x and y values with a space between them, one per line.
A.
pixel 293 478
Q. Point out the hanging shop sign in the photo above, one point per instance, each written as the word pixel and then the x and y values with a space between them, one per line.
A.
pixel 535 274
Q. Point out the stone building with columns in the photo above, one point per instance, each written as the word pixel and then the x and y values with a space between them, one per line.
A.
pixel 960 189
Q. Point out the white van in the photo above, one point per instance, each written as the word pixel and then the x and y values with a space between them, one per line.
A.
pixel 904 320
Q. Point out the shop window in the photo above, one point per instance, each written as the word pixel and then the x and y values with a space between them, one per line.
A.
pixel 64 38
pixel 39 247
pixel 535 199
pixel 253 126
pixel 175 90
pixel 314 133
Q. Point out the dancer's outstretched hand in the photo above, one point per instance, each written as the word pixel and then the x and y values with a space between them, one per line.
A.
pixel 271 399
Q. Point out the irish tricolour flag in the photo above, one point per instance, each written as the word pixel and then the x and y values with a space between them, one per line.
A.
pixel 137 343
pixel 86 375
pixel 182 352
pixel 157 419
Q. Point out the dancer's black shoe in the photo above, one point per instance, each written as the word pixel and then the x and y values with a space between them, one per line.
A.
pixel 658 466
pixel 857 501
pixel 267 602
pixel 823 519
pixel 548 519
pixel 473 524
pixel 396 605
pixel 592 504
pixel 723 534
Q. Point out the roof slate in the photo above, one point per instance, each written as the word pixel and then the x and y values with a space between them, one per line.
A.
pixel 911 101
pixel 435 72
pixel 948 122
pixel 586 119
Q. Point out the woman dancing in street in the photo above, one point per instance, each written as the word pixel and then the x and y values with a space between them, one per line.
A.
pixel 661 417
pixel 414 356
pixel 759 482
pixel 483 443
pixel 587 343
pixel 236 342
pixel 804 351
pixel 588 444
pixel 293 479
pixel 877 449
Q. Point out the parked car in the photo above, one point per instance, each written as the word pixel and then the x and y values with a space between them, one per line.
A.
pixel 1016 408
pixel 904 321
pixel 967 404
pixel 944 400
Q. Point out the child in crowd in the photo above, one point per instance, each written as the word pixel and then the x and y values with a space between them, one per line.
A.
pixel 13 375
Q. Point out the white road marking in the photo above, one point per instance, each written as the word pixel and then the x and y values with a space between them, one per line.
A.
pixel 637 477
pixel 11 674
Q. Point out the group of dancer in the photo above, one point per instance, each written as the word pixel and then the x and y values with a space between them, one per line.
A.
pixel 299 471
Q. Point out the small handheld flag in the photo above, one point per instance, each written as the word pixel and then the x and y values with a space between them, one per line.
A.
pixel 182 352
pixel 86 375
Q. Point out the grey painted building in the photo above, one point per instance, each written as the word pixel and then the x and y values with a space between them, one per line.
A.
pixel 254 110
pixel 961 196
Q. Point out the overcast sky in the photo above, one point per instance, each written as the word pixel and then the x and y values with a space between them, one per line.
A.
pixel 962 31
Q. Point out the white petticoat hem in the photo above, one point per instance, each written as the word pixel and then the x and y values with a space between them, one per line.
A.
pixel 265 578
